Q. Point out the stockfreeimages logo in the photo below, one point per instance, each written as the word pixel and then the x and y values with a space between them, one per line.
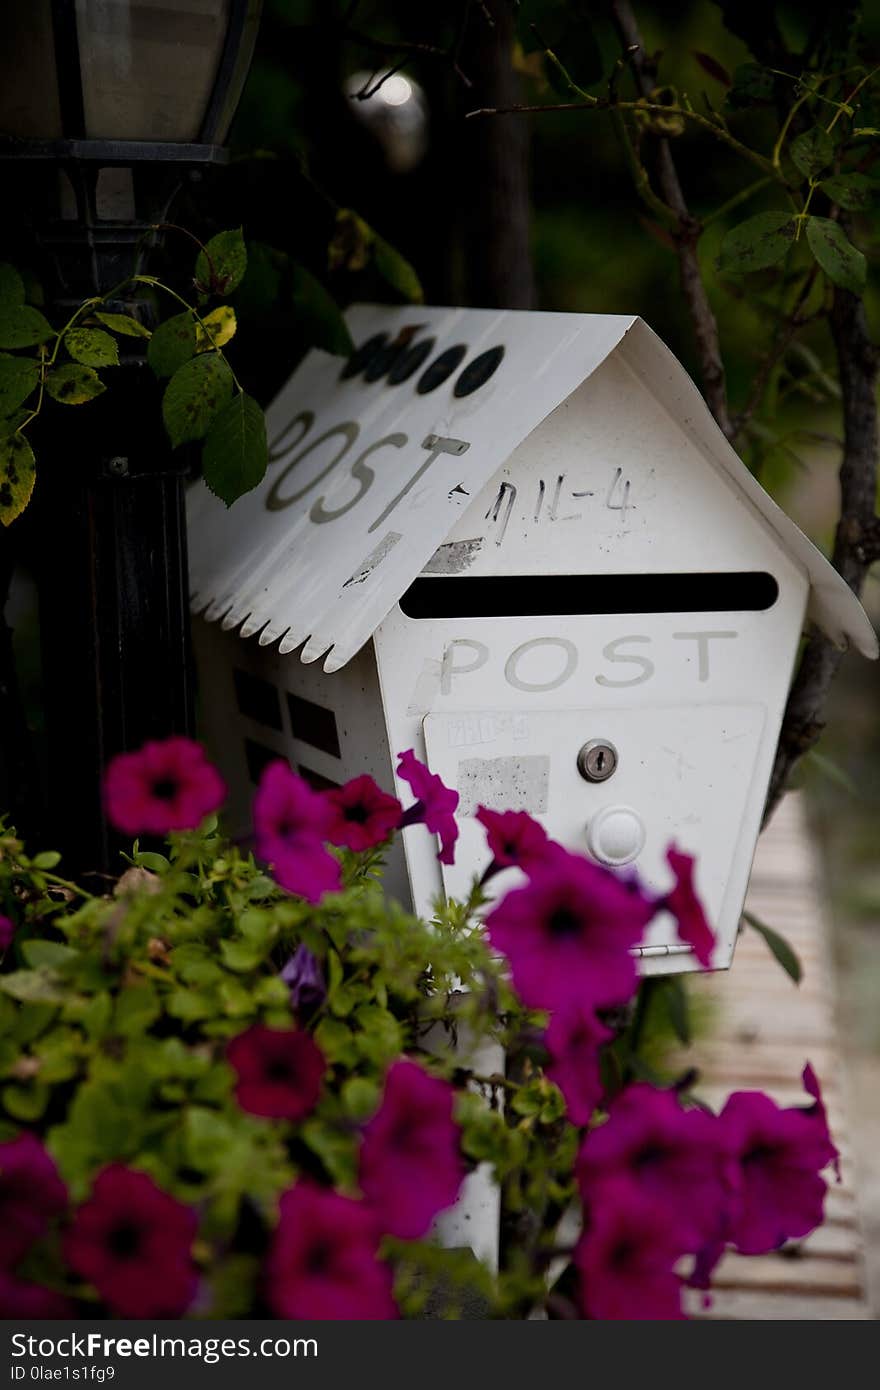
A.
pixel 96 1345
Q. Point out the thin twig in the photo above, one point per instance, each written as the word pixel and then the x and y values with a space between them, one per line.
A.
pixel 781 343
pixel 703 322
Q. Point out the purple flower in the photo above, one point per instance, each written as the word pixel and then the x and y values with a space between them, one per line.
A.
pixel 31 1301
pixel 305 979
pixel 280 1071
pixel 134 1242
pixel 410 1165
pixel 687 909
pixel 671 1154
pixel 32 1195
pixel 290 824
pixel 169 785
pixel 573 1039
pixel 626 1258
pixel 778 1156
pixel 435 804
pixel 568 934
pixel 363 815
pixel 514 838
pixel 324 1262
pixel 7 933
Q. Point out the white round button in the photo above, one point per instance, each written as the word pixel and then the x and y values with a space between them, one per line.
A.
pixel 616 835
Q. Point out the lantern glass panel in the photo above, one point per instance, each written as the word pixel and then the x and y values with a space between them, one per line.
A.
pixel 29 105
pixel 148 66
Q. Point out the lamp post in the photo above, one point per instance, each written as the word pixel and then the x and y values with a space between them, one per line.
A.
pixel 106 106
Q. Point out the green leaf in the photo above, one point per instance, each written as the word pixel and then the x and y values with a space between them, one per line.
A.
pixel 124 323
pixel 32 986
pixel 11 285
pixel 235 455
pixel 189 1006
pixel 813 151
pixel 778 945
pixel 216 328
pixel 351 243
pixel 318 314
pixel 194 396
pixel 51 954
pixel 17 474
pixel 855 192
pixel 11 424
pixel 221 266
pixel 336 1041
pixel 843 264
pixel 752 86
pixel 21 326
pixel 137 1008
pixel 241 956
pixel 18 377
pixel 397 271
pixel 676 1000
pixel 757 243
pixel 25 1102
pixel 74 384
pixel 92 346
pixel 360 1097
pixel 46 859
pixel 172 344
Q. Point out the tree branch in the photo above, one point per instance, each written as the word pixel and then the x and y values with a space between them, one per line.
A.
pixel 687 235
pixel 857 539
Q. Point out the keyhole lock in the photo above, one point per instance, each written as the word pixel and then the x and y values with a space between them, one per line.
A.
pixel 597 760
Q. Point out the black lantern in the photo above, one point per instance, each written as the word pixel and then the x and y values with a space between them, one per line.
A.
pixel 105 107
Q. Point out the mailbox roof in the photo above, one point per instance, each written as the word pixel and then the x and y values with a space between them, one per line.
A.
pixel 321 570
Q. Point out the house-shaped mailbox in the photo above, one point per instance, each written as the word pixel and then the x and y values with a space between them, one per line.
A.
pixel 519 544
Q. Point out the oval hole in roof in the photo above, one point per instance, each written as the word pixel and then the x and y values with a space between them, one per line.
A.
pixel 441 368
pixel 381 361
pixel 477 373
pixel 407 365
pixel 363 356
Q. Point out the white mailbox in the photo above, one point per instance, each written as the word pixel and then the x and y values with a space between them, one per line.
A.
pixel 518 543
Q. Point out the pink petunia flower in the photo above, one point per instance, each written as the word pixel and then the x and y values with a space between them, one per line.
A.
pixel 363 815
pixel 778 1156
pixel 687 909
pixel 32 1195
pixel 435 804
pixel 291 822
pixel 167 785
pixel 567 934
pixel 280 1071
pixel 324 1263
pixel 7 933
pixel 410 1164
pixel 134 1242
pixel 573 1039
pixel 514 838
pixel 672 1154
pixel 23 1300
pixel 626 1258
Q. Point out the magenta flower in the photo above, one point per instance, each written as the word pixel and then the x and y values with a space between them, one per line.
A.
pixel 305 979
pixel 435 804
pixel 324 1263
pixel 568 934
pixel 363 815
pixel 280 1071
pixel 410 1165
pixel 779 1155
pixel 687 909
pixel 168 785
pixel 514 838
pixel 671 1154
pixel 133 1242
pixel 32 1195
pixel 626 1258
pixel 290 824
pixel 573 1039
pixel 21 1300
pixel 7 933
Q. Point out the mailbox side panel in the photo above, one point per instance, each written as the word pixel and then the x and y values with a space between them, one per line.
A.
pixel 256 705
